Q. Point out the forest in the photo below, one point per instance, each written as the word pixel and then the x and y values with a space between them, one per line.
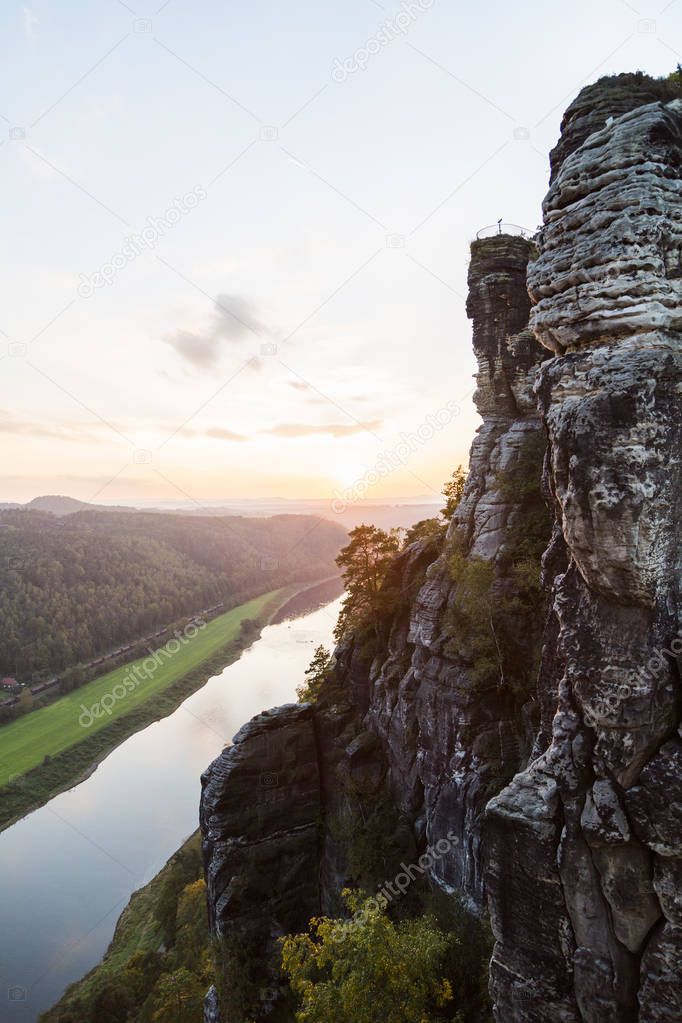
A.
pixel 75 588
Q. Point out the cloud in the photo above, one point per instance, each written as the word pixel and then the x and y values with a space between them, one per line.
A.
pixel 234 319
pixel 222 434
pixel 201 351
pixel 327 429
pixel 216 432
pixel 30 21
pixel 27 428
pixel 301 385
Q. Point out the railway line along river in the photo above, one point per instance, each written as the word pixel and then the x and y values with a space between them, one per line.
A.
pixel 68 869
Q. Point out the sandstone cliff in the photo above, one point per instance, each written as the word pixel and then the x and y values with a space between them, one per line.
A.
pixel 414 734
pixel 557 709
pixel 453 701
pixel 583 852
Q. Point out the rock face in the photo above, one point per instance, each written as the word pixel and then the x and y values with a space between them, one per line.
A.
pixel 539 732
pixel 418 736
pixel 583 848
pixel 611 244
pixel 452 731
pixel 278 818
pixel 211 1006
pixel 259 814
pixel 605 100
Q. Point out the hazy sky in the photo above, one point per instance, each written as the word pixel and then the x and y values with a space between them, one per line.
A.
pixel 301 306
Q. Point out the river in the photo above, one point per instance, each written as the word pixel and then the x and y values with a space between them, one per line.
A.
pixel 68 869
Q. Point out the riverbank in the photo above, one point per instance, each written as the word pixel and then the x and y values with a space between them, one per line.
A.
pixel 306 600
pixel 161 929
pixel 84 852
pixel 54 752
pixel 144 948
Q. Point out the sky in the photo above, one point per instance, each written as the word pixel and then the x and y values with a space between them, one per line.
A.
pixel 236 235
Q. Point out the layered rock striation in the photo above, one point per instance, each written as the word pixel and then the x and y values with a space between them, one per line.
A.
pixel 597 104
pixel 451 721
pixel 583 858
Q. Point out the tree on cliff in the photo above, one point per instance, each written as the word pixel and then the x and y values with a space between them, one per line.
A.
pixel 178 997
pixel 452 492
pixel 367 969
pixel 434 530
pixel 365 562
pixel 315 676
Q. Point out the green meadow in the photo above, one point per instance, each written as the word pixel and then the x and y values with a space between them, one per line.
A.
pixel 47 732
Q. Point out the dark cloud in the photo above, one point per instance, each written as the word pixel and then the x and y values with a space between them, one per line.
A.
pixel 234 319
pixel 199 349
pixel 328 429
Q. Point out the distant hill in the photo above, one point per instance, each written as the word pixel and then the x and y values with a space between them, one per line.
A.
pixel 58 505
pixel 76 586
pixel 386 516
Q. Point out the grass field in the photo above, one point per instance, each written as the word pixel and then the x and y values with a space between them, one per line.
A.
pixel 49 731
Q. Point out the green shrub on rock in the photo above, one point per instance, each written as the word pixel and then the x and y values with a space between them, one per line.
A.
pixel 368 969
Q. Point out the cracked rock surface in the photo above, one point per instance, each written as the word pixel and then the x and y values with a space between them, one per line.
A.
pixel 588 840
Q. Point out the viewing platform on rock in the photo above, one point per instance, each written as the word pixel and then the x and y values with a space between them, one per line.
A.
pixel 494 230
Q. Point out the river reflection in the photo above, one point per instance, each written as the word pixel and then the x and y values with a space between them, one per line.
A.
pixel 68 869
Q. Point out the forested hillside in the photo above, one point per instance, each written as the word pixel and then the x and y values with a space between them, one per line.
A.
pixel 74 588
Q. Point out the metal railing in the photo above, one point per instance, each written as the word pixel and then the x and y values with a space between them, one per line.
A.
pixel 500 228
